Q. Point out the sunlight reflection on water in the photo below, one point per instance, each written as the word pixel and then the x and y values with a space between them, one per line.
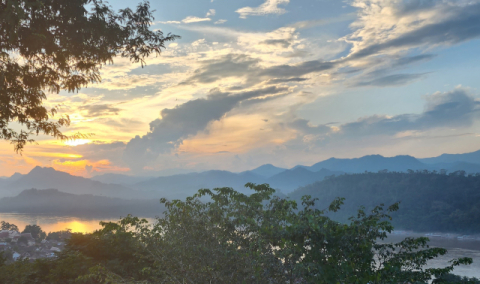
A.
pixel 56 223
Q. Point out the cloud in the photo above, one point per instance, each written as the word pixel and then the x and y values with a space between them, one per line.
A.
pixel 288 80
pixel 193 19
pixel 258 44
pixel 413 59
pixel 210 12
pixel 280 42
pixel 383 35
pixel 221 21
pixel 391 80
pixel 418 24
pixel 269 7
pixel 231 65
pixel 101 150
pixel 170 22
pixel 453 109
pixel 86 167
pixel 243 66
pixel 323 22
pixel 100 110
pixel 177 124
pixel 287 71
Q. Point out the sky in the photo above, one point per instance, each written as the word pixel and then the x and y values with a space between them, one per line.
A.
pixel 283 82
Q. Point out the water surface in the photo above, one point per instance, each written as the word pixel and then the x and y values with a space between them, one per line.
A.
pixel 50 223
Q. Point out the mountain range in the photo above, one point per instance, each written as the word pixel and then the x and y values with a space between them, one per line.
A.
pixel 44 178
pixel 183 185
pixel 171 187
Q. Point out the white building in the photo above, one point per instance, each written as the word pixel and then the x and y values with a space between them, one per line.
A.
pixel 55 249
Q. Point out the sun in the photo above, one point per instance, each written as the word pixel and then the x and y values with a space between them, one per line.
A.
pixel 77 142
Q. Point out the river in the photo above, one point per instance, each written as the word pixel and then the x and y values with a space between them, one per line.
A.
pixel 456 248
pixel 57 223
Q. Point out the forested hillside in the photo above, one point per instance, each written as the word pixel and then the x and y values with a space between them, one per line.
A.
pixel 54 202
pixel 429 201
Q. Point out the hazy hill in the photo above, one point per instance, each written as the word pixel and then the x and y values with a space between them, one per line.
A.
pixel 120 179
pixel 181 186
pixel 44 178
pixel 267 170
pixel 289 180
pixel 11 178
pixel 375 163
pixel 372 163
pixel 473 158
pixel 171 187
pixel 52 201
pixel 429 202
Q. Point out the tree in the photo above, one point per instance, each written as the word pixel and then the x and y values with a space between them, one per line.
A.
pixel 223 236
pixel 60 235
pixel 22 240
pixel 36 232
pixel 8 226
pixel 54 45
pixel 259 238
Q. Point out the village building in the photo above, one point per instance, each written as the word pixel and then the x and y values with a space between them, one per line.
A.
pixel 55 249
pixel 30 240
pixel 7 234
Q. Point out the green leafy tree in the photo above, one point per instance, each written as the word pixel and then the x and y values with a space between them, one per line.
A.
pixel 54 45
pixel 22 240
pixel 259 238
pixel 223 236
pixel 3 258
pixel 37 233
pixel 8 226
pixel 60 235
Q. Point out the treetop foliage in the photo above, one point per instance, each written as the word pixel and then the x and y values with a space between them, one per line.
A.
pixel 238 238
pixel 36 232
pixel 8 226
pixel 54 45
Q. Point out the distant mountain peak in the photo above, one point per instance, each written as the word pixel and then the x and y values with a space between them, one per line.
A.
pixel 473 157
pixel 265 166
pixel 267 170
pixel 39 169
pixel 369 163
pixel 299 170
